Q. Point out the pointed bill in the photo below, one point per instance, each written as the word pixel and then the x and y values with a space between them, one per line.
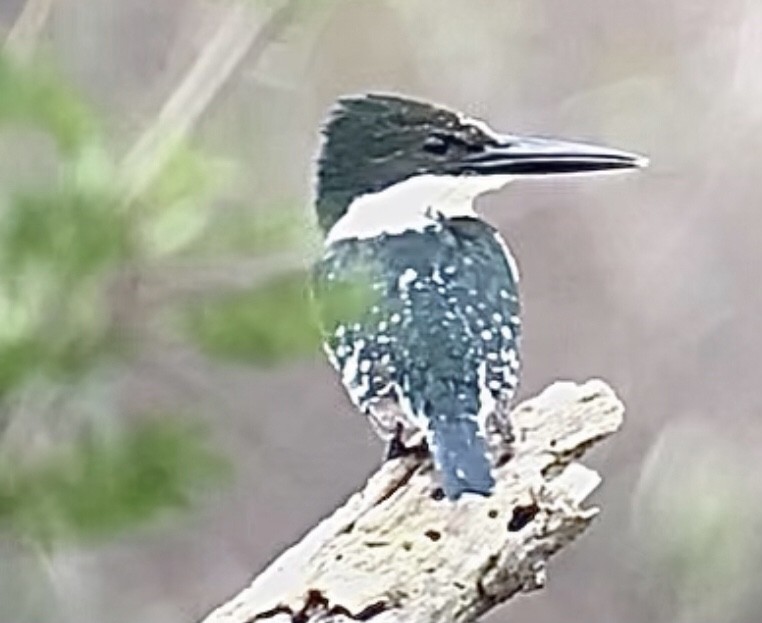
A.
pixel 529 155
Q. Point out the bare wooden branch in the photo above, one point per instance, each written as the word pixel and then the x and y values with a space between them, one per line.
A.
pixel 394 553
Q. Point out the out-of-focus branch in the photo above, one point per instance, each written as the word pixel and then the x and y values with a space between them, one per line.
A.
pixel 393 554
pixel 245 31
pixel 25 32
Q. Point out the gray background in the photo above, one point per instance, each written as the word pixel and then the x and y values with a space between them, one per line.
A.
pixel 650 281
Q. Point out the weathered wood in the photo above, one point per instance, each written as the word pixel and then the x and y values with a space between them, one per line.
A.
pixel 394 553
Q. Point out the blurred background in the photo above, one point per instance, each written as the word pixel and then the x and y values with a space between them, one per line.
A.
pixel 168 424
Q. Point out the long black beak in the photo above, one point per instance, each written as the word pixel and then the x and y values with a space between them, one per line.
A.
pixel 518 155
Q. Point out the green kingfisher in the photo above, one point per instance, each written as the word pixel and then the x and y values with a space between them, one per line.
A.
pixel 433 358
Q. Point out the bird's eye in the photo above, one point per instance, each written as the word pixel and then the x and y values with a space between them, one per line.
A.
pixel 435 145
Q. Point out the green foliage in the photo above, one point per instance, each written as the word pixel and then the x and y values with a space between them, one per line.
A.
pixel 174 210
pixel 103 484
pixel 74 234
pixel 347 300
pixel 263 326
pixel 60 243
pixel 273 322
pixel 268 228
pixel 37 98
pixel 51 333
pixel 64 243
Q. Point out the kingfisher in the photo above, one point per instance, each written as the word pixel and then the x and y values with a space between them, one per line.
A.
pixel 432 354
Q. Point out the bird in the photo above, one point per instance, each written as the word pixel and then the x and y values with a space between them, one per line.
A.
pixel 431 352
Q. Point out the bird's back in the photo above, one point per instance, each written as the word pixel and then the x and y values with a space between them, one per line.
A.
pixel 439 335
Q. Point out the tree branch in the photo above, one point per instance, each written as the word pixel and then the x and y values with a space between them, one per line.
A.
pixel 243 32
pixel 393 553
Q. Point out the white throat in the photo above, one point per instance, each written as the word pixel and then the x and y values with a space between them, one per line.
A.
pixel 414 204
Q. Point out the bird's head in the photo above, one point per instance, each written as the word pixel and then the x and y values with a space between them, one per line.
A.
pixel 374 142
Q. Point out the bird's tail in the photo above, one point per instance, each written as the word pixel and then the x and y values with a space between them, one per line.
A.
pixel 460 454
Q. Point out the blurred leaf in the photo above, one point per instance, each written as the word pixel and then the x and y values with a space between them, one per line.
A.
pixel 75 233
pixel 55 249
pixel 346 300
pixel 18 360
pixel 59 249
pixel 275 227
pixel 175 209
pixel 186 174
pixel 173 227
pixel 49 329
pixel 103 485
pixel 271 323
pixel 31 96
pixel 91 173
pixel 265 325
pixel 79 335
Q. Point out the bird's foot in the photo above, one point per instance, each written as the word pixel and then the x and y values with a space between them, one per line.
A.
pixel 506 454
pixel 501 446
pixel 397 448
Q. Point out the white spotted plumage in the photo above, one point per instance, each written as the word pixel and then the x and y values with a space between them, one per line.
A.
pixel 397 179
